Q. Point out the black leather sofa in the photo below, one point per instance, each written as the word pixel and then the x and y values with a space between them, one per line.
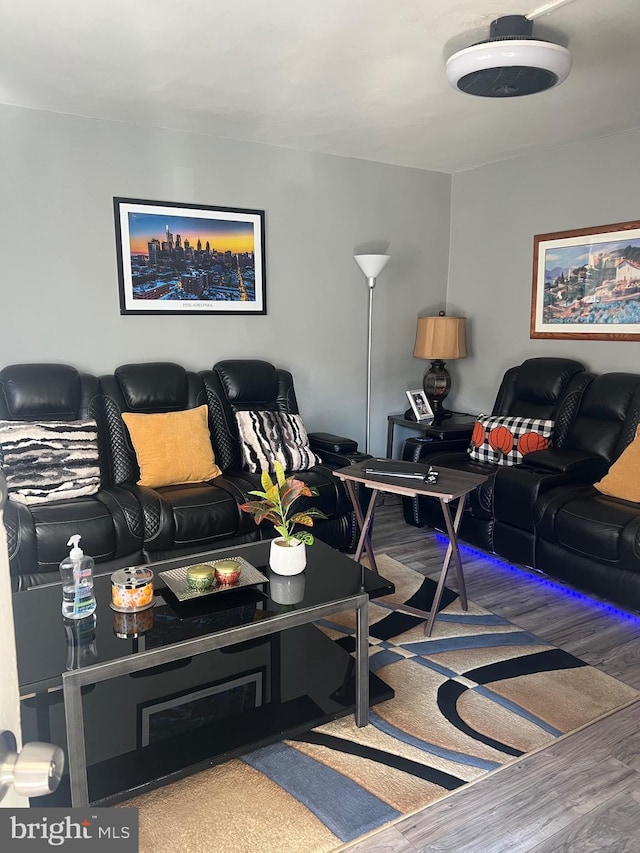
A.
pixel 126 524
pixel 545 512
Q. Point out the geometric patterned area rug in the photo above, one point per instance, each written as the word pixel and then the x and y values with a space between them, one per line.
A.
pixel 475 696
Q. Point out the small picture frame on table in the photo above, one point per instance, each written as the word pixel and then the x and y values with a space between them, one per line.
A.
pixel 420 405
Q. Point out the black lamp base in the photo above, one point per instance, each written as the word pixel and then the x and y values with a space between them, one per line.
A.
pixel 437 384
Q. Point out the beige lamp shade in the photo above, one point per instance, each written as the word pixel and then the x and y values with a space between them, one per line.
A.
pixel 440 338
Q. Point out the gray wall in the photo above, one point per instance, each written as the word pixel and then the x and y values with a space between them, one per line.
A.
pixel 496 211
pixel 59 293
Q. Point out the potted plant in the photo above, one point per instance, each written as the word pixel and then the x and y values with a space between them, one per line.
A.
pixel 288 550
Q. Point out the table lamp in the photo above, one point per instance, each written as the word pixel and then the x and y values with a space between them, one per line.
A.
pixel 439 339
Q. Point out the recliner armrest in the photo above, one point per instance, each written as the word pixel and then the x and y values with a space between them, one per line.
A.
pixel 579 465
pixel 418 449
pixel 335 451
pixel 327 441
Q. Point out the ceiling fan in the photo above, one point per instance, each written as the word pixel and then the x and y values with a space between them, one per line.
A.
pixel 511 62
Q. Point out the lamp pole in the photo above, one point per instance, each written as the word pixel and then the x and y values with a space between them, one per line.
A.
pixel 372 283
pixel 371 266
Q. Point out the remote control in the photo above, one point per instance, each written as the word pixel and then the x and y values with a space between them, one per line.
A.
pixel 409 475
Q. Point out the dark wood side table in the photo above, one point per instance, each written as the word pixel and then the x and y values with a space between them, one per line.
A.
pixel 459 426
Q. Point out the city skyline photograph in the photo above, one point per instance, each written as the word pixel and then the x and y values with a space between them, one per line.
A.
pixel 222 234
pixel 174 259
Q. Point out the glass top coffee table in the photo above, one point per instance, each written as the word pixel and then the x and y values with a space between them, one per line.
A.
pixel 143 699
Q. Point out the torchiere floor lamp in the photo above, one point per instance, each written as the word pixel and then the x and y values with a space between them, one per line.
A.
pixel 371 266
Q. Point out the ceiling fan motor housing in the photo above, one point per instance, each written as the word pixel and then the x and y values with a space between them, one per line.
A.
pixel 510 63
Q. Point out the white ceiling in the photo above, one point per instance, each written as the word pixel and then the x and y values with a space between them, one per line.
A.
pixel 356 78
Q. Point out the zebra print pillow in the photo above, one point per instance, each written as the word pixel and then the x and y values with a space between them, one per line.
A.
pixel 267 436
pixel 49 460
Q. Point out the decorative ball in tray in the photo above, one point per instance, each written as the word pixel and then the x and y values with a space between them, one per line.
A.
pixel 200 576
pixel 227 571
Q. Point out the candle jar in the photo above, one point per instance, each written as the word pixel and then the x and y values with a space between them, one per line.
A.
pixel 132 590
pixel 227 571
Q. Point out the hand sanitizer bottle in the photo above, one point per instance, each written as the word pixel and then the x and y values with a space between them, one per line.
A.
pixel 76 572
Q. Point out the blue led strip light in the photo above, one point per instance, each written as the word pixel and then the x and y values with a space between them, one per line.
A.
pixel 544 580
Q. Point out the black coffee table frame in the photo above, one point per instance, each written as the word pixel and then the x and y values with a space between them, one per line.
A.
pixel 74 681
pixel 312 679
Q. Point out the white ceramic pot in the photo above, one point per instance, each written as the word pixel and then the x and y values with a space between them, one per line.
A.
pixel 287 559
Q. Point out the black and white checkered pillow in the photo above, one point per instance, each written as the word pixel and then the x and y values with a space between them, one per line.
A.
pixel 267 436
pixel 505 440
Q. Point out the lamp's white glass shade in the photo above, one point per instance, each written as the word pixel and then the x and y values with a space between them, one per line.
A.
pixel 371 265
pixel 499 54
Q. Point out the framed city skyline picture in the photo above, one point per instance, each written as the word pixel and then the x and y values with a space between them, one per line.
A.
pixel 189 259
pixel 586 284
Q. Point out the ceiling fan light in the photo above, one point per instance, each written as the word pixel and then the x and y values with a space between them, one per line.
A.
pixel 510 63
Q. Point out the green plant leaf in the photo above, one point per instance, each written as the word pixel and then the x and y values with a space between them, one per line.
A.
pixel 279 473
pixel 304 536
pixel 316 513
pixel 273 495
pixel 291 491
pixel 302 518
pixel 261 512
pixel 266 481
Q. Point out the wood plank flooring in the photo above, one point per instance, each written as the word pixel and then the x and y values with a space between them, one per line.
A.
pixel 581 794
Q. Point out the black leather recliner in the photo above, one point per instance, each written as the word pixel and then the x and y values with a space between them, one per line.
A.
pixel 109 522
pixel 254 385
pixel 583 536
pixel 549 388
pixel 178 519
pixel 602 427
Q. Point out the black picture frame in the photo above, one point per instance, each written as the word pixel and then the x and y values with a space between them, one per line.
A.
pixel 215 263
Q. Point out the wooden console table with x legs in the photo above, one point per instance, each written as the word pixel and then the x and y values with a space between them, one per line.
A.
pixel 451 485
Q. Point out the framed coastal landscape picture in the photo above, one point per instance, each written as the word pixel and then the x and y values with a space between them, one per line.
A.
pixel 586 284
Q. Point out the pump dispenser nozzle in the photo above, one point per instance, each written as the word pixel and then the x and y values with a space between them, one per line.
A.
pixel 76 550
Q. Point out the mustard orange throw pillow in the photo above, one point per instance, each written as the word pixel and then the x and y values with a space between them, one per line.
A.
pixel 173 447
pixel 623 478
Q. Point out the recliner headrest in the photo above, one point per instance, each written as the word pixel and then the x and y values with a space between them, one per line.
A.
pixel 543 380
pixel 153 387
pixel 40 392
pixel 248 381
